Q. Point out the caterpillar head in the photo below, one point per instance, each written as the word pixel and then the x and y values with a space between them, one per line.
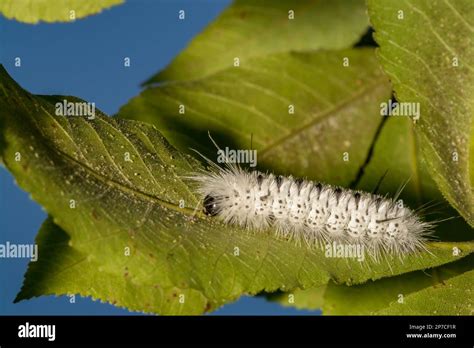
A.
pixel 210 206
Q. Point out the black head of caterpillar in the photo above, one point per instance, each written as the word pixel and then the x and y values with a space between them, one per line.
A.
pixel 210 206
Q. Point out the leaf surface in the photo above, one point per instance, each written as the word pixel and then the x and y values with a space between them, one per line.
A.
pixel 249 29
pixel 444 290
pixel 435 70
pixel 33 11
pixel 114 188
pixel 306 114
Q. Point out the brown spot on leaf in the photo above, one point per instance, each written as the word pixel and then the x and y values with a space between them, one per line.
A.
pixel 95 214
pixel 243 14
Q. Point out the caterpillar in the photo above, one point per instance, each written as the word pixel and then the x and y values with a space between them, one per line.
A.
pixel 309 211
pixel 312 212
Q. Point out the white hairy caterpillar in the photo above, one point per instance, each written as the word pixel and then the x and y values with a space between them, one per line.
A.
pixel 312 212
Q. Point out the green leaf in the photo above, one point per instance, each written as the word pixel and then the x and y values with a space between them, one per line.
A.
pixel 450 297
pixel 250 29
pixel 396 293
pixel 308 299
pixel 396 150
pixel 62 269
pixel 427 49
pixel 445 290
pixel 328 100
pixel 33 11
pixel 115 187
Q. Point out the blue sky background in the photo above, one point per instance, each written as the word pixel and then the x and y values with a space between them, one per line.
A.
pixel 85 59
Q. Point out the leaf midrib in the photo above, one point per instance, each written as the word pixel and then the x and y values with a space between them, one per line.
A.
pixel 115 184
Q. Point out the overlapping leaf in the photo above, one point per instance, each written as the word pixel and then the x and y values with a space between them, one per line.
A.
pixel 115 188
pixel 445 290
pixel 397 152
pixel 249 29
pixel 308 114
pixel 33 11
pixel 427 49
